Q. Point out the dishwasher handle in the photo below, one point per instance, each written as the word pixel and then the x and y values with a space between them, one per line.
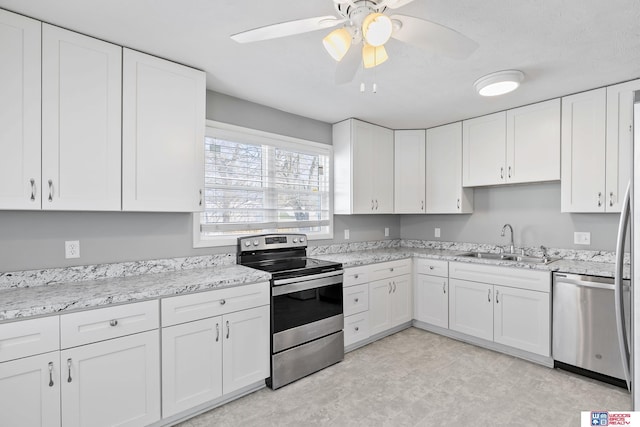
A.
pixel 578 281
pixel 625 354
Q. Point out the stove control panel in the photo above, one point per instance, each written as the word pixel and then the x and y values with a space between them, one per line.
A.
pixel 272 241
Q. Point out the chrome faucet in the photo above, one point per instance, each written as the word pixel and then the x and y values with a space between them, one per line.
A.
pixel 512 248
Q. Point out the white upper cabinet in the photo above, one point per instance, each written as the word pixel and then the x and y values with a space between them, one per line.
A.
pixel 618 142
pixel 162 135
pixel 483 150
pixel 20 71
pixel 81 121
pixel 583 151
pixel 533 143
pixel 409 169
pixel 445 193
pixel 363 168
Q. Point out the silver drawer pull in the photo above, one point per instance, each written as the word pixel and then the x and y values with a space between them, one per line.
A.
pixel 223 302
pixel 50 374
pixel 357 329
pixel 431 267
pixel 391 269
pixel 113 322
pixel 355 276
pixel 356 300
pixel 69 368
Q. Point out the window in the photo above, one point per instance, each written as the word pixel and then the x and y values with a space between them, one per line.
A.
pixel 256 182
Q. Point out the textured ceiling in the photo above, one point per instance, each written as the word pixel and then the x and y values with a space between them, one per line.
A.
pixel 562 46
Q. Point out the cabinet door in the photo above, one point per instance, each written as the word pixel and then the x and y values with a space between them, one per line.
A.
pixel 471 308
pixel 113 382
pixel 245 348
pixel 582 185
pixel 380 306
pixel 162 135
pixel 618 142
pixel 401 300
pixel 409 171
pixel 431 300
pixel 81 121
pixel 483 150
pixel 444 171
pixel 533 142
pixel 20 71
pixel 521 319
pixel 362 165
pixel 30 391
pixel 191 365
pixel 382 177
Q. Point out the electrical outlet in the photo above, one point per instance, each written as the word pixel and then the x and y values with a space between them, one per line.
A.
pixel 72 249
pixel 346 234
pixel 582 238
pixel 436 232
pixel 386 232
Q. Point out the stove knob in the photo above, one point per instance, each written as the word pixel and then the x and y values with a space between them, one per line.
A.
pixel 255 243
pixel 301 239
pixel 247 243
pixel 295 240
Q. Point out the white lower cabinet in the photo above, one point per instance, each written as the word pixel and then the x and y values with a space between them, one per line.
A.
pixel 390 303
pixel 471 309
pixel 113 382
pixel 205 359
pixel 431 301
pixel 30 391
pixel 356 328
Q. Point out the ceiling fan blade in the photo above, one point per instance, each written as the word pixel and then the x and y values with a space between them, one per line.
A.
pixel 433 37
pixel 348 67
pixel 396 4
pixel 288 28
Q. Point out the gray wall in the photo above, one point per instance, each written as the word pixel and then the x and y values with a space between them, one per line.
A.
pixel 534 212
pixel 33 240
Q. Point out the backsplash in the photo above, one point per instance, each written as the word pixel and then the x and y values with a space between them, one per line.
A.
pixel 29 278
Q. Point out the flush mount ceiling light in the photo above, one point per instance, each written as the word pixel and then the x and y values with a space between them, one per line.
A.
pixel 366 21
pixel 499 83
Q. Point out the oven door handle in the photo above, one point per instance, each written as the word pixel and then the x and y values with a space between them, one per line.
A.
pixel 279 282
pixel 307 284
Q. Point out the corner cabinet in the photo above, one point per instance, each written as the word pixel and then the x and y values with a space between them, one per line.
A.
pixel 445 193
pixel 20 111
pixel 363 168
pixel 409 171
pixel 162 135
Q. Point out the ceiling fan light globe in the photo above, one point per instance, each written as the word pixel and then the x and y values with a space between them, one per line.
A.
pixel 373 55
pixel 377 29
pixel 499 83
pixel 337 43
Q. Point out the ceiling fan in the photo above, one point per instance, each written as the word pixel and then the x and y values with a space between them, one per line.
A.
pixel 365 21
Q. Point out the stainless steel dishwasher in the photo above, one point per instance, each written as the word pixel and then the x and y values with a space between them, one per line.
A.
pixel 584 326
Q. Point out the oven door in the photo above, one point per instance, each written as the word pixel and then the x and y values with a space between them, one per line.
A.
pixel 305 308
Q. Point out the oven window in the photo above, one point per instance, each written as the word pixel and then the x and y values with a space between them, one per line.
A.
pixel 303 307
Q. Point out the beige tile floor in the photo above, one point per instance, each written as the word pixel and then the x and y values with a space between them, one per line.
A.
pixel 416 378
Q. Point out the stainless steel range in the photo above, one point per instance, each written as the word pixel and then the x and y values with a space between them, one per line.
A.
pixel 306 305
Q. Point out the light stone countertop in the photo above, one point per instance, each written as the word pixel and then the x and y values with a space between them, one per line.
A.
pixel 17 303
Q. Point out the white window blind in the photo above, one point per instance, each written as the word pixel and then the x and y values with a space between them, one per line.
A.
pixel 256 184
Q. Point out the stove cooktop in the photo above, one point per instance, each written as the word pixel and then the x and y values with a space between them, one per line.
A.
pixel 292 267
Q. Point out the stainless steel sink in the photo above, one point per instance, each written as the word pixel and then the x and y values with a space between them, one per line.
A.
pixel 509 257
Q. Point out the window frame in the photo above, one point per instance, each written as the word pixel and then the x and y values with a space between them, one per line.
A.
pixel 254 136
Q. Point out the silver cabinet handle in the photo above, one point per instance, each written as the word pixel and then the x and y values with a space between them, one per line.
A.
pixel 200 197
pixel 50 190
pixel 458 203
pixel 371 204
pixel 69 368
pixel 113 322
pixel 502 173
pixel 489 295
pixel 509 172
pixel 422 205
pixel 611 198
pixel 389 287
pixel 376 204
pixel 33 189
pixel 223 302
pixel 444 287
pixel 217 332
pixel 356 300
pixel 394 287
pixel 228 329
pixel 497 297
pixel 599 199
pixel 50 374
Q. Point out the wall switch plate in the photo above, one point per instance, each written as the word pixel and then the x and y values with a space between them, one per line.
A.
pixel 386 232
pixel 582 238
pixel 72 249
pixel 436 232
pixel 346 234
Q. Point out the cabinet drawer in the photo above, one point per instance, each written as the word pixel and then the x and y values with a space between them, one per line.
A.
pixel 29 337
pixel 522 278
pixel 106 323
pixel 432 267
pixel 384 270
pixel 356 299
pixel 186 308
pixel 356 328
pixel 356 275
